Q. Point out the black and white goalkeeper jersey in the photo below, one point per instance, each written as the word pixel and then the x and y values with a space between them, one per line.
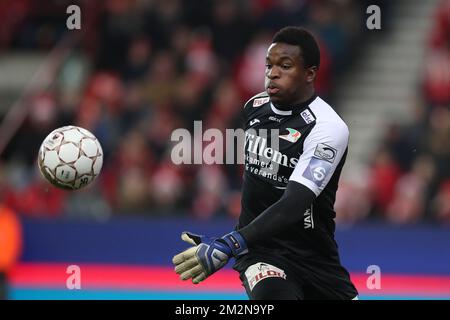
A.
pixel 306 144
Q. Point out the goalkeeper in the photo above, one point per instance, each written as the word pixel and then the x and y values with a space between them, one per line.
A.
pixel 284 242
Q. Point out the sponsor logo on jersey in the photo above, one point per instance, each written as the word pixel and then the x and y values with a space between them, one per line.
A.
pixel 254 121
pixel 317 170
pixel 325 152
pixel 307 116
pixel 272 118
pixel 308 222
pixel 260 101
pixel 292 136
pixel 257 145
pixel 260 271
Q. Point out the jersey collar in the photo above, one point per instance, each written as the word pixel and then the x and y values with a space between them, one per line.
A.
pixel 293 109
pixel 280 112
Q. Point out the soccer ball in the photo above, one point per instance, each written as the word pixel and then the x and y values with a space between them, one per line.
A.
pixel 70 158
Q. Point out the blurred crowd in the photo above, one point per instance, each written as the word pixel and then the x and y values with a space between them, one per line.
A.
pixel 143 68
pixel 408 178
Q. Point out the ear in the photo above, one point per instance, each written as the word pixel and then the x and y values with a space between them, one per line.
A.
pixel 311 73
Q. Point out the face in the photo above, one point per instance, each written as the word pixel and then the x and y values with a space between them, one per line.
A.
pixel 286 77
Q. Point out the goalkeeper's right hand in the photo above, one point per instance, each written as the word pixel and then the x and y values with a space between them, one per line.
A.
pixel 207 255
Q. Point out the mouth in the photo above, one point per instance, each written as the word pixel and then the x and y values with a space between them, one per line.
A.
pixel 272 89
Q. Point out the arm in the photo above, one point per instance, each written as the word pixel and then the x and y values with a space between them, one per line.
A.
pixel 288 210
pixel 210 254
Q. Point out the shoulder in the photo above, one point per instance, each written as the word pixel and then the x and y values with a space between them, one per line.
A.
pixel 257 100
pixel 329 126
pixel 327 119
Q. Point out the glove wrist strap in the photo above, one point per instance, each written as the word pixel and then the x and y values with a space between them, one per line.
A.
pixel 236 243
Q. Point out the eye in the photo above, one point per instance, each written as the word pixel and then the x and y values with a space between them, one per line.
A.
pixel 268 66
pixel 286 66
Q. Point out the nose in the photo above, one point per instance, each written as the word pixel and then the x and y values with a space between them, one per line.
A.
pixel 273 73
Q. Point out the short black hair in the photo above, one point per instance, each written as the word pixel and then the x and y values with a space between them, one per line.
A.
pixel 302 38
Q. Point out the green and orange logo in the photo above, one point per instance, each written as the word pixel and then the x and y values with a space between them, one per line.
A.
pixel 292 136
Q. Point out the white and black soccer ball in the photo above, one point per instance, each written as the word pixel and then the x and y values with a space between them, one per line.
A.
pixel 70 158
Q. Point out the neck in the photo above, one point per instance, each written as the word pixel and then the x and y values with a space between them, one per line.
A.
pixel 307 95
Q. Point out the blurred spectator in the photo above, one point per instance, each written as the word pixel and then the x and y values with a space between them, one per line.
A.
pixel 353 199
pixel 128 173
pixel 325 21
pixel 161 79
pixel 278 14
pixel 120 22
pixel 37 199
pixel 383 179
pixel 138 59
pixel 225 104
pixel 166 186
pixel 441 203
pixel 437 76
pixel 250 67
pixel 412 136
pixel 231 28
pixel 234 204
pixel 87 204
pixel 437 62
pixel 410 194
pixel 135 110
pixel 439 142
pixel 211 191
pixel 408 140
pixel 12 15
pixel 10 244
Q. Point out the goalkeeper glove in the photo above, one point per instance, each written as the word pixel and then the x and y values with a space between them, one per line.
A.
pixel 207 255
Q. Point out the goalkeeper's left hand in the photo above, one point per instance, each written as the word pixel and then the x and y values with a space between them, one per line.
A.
pixel 207 255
